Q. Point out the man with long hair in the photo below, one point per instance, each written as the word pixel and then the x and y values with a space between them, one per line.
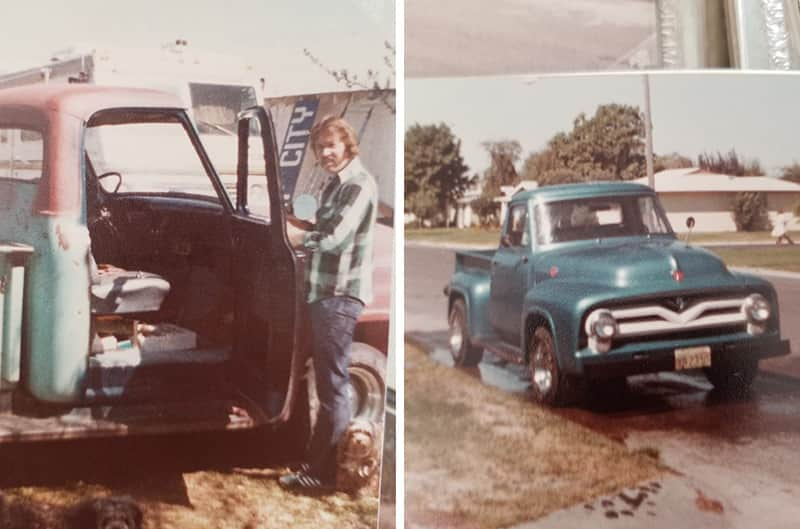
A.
pixel 338 285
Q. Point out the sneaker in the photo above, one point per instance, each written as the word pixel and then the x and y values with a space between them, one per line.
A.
pixel 302 481
pixel 299 467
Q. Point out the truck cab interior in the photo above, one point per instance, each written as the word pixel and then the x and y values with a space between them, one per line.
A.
pixel 179 280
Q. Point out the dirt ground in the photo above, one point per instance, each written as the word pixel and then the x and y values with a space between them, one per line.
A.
pixel 210 480
pixel 477 456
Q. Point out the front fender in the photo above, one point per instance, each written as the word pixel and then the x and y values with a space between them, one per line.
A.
pixel 561 304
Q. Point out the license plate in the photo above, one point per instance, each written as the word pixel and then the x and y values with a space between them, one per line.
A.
pixel 692 357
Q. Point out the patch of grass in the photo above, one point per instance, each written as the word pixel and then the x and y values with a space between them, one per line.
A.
pixel 734 236
pixel 492 236
pixel 481 236
pixel 236 499
pixel 480 457
pixel 778 258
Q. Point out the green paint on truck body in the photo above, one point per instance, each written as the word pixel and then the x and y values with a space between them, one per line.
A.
pixel 614 250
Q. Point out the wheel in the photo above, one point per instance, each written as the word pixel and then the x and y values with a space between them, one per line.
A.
pixel 464 353
pixel 733 376
pixel 548 385
pixel 367 382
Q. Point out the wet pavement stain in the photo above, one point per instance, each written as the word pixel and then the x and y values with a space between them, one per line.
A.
pixel 627 502
pixel 706 504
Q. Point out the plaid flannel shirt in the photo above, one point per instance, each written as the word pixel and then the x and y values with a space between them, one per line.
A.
pixel 341 243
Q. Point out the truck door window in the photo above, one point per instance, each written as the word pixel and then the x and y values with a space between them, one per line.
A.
pixel 21 153
pixel 257 200
pixel 517 228
pixel 150 157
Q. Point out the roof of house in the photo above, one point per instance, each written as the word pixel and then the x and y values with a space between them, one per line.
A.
pixel 695 180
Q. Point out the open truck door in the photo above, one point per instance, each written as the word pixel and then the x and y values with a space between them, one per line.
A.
pixel 270 355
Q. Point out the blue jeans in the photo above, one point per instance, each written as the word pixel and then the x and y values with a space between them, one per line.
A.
pixel 332 323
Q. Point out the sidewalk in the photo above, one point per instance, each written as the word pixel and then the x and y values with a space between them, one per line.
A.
pixel 672 502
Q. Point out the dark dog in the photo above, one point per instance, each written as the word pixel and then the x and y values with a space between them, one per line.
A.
pixel 97 513
pixel 118 512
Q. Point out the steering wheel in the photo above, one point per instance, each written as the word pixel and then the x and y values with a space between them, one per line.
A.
pixel 107 174
pixel 107 245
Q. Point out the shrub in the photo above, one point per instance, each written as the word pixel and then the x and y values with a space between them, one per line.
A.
pixel 750 212
pixel 487 210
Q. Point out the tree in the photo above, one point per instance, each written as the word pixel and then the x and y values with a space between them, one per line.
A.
pixel 374 80
pixel 750 211
pixel 729 164
pixel 504 156
pixel 791 173
pixel 487 209
pixel 671 161
pixel 435 173
pixel 608 146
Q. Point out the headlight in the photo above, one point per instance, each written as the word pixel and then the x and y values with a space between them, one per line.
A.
pixel 602 324
pixel 601 327
pixel 756 308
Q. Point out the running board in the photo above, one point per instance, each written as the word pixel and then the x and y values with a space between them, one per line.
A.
pixel 221 413
pixel 502 349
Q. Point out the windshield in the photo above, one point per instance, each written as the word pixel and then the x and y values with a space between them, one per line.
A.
pixel 600 218
pixel 147 157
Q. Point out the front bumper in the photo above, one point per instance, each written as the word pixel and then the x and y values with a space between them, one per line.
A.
pixel 660 356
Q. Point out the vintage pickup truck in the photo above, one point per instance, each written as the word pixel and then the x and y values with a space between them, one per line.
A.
pixel 138 292
pixel 590 282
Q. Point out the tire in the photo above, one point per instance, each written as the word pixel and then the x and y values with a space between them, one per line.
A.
pixel 367 382
pixel 463 352
pixel 367 385
pixel 548 385
pixel 733 376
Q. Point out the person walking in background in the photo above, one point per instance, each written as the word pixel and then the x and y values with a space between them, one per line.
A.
pixel 781 229
pixel 338 285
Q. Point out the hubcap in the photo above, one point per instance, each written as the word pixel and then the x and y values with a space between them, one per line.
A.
pixel 366 394
pixel 542 374
pixel 456 337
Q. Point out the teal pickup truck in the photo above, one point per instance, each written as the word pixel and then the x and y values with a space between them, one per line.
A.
pixel 590 283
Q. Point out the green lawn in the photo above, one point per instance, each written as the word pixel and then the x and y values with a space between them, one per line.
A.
pixel 454 235
pixel 782 257
pixel 778 258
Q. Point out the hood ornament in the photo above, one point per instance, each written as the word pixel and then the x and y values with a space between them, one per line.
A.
pixel 676 304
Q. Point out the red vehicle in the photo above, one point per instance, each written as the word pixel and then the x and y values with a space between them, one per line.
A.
pixel 139 293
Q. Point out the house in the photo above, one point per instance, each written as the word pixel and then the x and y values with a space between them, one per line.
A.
pixel 464 215
pixel 510 191
pixel 708 197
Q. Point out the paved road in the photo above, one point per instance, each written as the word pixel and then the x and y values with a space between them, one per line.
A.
pixel 743 454
pixel 475 37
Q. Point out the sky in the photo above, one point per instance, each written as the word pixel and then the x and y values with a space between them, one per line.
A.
pixel 269 34
pixel 754 113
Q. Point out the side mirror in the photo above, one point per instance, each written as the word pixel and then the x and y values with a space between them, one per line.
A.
pixel 689 225
pixel 305 207
pixel 505 241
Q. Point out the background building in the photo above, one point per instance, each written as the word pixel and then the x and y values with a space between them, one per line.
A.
pixel 708 197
